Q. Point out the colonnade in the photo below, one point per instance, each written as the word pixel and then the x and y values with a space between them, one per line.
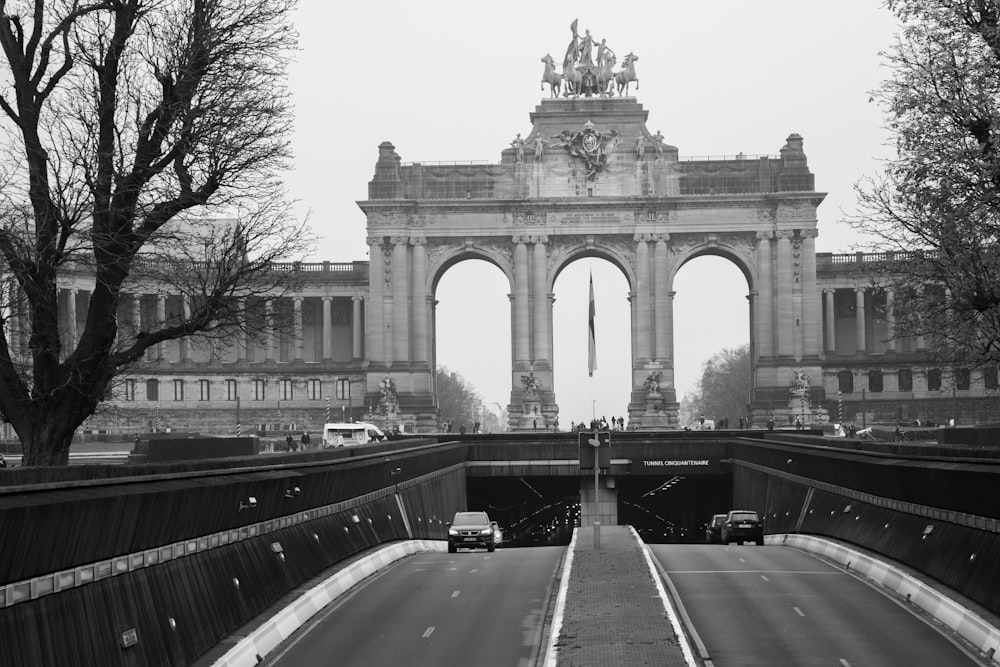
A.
pixel 139 311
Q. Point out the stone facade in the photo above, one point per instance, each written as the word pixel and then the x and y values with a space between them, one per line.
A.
pixel 590 180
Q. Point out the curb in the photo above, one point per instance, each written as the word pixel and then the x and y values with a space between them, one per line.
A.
pixel 250 650
pixel 964 622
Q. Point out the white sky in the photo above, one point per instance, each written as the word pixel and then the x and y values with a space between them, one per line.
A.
pixel 456 80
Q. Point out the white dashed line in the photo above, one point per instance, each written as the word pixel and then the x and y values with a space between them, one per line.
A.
pixel 798 611
pixel 742 561
pixel 764 578
pixel 428 632
pixel 473 570
pixel 845 663
pixel 455 594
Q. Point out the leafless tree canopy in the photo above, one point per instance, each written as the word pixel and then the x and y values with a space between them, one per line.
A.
pixel 935 206
pixel 724 390
pixel 141 142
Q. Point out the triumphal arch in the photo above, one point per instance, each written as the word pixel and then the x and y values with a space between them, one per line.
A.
pixel 591 180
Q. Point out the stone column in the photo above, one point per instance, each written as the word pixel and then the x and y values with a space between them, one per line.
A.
pixel 859 319
pixel 71 320
pixel 376 290
pixel 921 343
pixel 400 299
pixel 421 333
pixel 642 296
pixel 161 317
pixel 522 349
pixel 829 295
pixel 269 336
pixel 137 319
pixel 327 328
pixel 183 348
pixel 663 302
pixel 765 300
pixel 890 320
pixel 810 295
pixel 668 350
pixel 540 328
pixel 356 334
pixel 786 307
pixel 297 323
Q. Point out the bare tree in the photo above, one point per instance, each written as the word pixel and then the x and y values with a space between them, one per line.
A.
pixel 935 210
pixel 458 400
pixel 725 384
pixel 141 141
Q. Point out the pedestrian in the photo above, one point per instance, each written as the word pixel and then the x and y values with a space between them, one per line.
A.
pixel 770 424
pixel 289 443
pixel 305 441
pixel 461 429
pixel 798 424
pixel 475 427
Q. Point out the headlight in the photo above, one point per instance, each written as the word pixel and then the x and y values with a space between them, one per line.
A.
pixel 486 531
pixel 453 531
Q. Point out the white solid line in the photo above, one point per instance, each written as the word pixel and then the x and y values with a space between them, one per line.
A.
pixel 675 621
pixel 428 632
pixel 799 611
pixel 557 615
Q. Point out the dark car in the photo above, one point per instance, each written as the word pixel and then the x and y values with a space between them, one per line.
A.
pixel 713 532
pixel 743 526
pixel 470 530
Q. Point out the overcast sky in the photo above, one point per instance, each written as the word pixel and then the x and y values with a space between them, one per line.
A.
pixel 455 81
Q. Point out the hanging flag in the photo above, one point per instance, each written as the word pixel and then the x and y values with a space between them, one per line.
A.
pixel 591 340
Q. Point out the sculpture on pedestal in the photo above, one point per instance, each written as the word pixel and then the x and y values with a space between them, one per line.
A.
pixel 532 386
pixel 389 399
pixel 592 145
pixel 652 383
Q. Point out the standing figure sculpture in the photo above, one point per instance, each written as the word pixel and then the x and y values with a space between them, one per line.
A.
pixel 518 145
pixel 640 147
pixel 603 53
pixel 539 147
pixel 627 74
pixel 586 48
pixel 658 143
pixel 551 77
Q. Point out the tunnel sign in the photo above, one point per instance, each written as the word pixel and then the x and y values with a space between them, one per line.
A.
pixel 668 466
pixel 595 445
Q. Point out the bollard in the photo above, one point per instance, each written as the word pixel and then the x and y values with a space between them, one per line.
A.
pixel 597 534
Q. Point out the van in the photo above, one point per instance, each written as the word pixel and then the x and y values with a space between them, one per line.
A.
pixel 351 434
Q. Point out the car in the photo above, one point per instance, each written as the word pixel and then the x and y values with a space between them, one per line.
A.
pixel 742 526
pixel 471 530
pixel 713 531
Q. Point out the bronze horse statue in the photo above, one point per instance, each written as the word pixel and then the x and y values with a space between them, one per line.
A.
pixel 605 78
pixel 572 78
pixel 627 75
pixel 550 77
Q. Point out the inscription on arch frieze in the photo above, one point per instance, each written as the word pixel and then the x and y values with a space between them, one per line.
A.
pixel 587 218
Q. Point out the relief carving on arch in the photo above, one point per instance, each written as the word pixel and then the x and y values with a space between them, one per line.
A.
pixel 796 211
pixel 386 218
pixel 563 246
pixel 653 216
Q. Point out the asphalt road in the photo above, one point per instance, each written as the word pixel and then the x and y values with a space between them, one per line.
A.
pixel 469 608
pixel 774 605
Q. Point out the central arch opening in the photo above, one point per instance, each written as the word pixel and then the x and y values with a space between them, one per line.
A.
pixel 606 394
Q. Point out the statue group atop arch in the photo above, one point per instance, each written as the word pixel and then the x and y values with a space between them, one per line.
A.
pixel 585 74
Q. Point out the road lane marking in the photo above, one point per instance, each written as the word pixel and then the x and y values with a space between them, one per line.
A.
pixel 845 663
pixel 764 578
pixel 473 571
pixel 428 632
pixel 742 561
pixel 799 612
pixel 838 573
pixel 455 594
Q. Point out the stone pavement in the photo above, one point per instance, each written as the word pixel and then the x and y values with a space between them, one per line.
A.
pixel 613 614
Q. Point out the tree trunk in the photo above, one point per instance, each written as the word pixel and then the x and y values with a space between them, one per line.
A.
pixel 47 443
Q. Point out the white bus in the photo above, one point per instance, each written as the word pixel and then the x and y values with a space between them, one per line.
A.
pixel 351 434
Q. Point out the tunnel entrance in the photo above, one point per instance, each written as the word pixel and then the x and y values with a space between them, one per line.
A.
pixel 539 511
